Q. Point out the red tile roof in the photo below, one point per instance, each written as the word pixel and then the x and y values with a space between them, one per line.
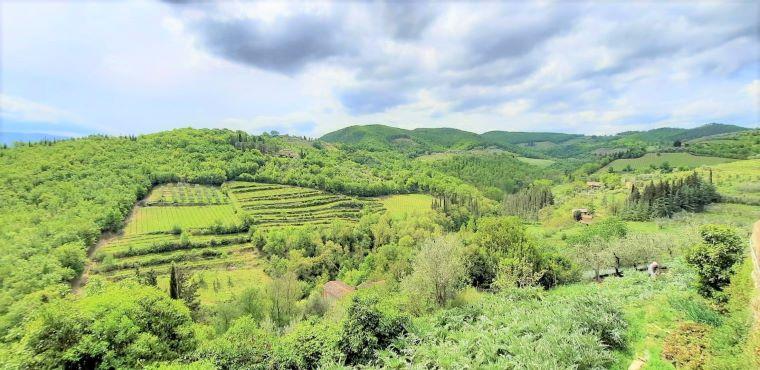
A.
pixel 336 289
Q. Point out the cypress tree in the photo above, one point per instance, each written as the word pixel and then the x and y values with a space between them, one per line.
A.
pixel 174 288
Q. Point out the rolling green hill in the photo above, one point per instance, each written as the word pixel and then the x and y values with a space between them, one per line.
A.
pixel 530 144
pixel 670 134
pixel 740 145
pixel 504 137
pixel 380 136
pixel 675 160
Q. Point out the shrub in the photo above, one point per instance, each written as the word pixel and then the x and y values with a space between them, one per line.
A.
pixel 367 329
pixel 119 325
pixel 72 256
pixel 244 346
pixel 307 345
pixel 687 345
pixel 599 316
pixel 715 258
pixel 696 310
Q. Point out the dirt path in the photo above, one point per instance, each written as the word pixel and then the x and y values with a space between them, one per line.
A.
pixel 639 362
pixel 78 283
pixel 754 243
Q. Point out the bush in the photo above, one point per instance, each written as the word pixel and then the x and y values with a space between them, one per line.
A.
pixel 244 346
pixel 122 325
pixel 687 345
pixel 367 329
pixel 516 329
pixel 696 310
pixel 599 316
pixel 72 256
pixel 307 345
pixel 715 258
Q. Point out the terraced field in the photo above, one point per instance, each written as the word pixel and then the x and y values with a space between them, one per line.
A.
pixel 165 218
pixel 158 251
pixel 272 205
pixel 175 225
pixel 185 194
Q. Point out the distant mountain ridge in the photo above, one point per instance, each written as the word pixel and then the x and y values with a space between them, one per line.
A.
pixel 451 138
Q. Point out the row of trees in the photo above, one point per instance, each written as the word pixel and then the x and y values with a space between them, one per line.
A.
pixel 527 202
pixel 665 198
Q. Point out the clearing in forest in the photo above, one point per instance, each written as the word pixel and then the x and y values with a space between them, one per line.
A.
pixel 398 205
pixel 675 160
pixel 737 182
pixel 185 224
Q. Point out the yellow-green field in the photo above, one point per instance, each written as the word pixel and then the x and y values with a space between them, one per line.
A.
pixel 738 180
pixel 165 218
pixel 398 205
pixel 536 161
pixel 675 160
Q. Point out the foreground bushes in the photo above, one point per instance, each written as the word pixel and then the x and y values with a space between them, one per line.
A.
pixel 517 331
pixel 123 325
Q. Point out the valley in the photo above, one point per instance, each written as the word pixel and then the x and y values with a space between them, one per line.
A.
pixel 448 240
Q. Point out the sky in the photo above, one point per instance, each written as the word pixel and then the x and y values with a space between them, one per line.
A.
pixel 308 68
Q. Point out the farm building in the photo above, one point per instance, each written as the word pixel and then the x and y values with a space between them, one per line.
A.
pixel 594 185
pixel 583 215
pixel 336 289
pixel 287 153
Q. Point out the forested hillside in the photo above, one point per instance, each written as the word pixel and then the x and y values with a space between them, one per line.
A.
pixel 217 249
pixel 531 144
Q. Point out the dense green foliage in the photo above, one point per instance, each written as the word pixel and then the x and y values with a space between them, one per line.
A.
pixel 668 197
pixel 519 330
pixel 115 326
pixel 421 140
pixel 716 258
pixel 528 202
pixel 669 135
pixel 231 261
pixel 495 175
pixel 742 145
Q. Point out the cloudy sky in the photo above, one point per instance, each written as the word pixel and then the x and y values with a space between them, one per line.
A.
pixel 309 68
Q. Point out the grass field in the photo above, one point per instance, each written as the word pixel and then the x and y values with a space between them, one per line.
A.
pixel 675 160
pixel 218 285
pixel 398 205
pixel 739 180
pixel 536 161
pixel 164 218
pixel 272 205
pixel 185 194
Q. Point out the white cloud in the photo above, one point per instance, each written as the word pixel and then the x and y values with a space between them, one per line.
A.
pixel 19 109
pixel 315 67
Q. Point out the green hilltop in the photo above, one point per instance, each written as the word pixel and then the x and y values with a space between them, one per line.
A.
pixel 531 144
